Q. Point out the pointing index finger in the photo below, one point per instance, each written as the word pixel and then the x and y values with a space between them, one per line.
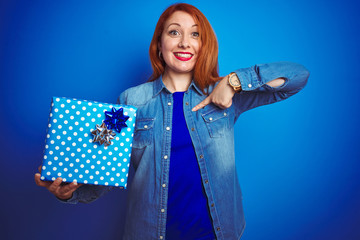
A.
pixel 202 104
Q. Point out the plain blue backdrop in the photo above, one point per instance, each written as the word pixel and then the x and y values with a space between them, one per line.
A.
pixel 298 160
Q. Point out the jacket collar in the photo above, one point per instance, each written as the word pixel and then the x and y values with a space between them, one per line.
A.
pixel 159 86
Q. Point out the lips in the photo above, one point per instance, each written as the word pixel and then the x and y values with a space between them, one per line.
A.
pixel 183 56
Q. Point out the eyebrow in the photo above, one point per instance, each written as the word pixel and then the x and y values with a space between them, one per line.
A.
pixel 195 25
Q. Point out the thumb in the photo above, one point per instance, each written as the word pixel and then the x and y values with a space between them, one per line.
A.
pixel 205 102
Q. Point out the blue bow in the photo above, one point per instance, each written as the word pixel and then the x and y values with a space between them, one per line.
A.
pixel 115 119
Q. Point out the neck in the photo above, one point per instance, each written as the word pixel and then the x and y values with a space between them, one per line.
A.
pixel 176 82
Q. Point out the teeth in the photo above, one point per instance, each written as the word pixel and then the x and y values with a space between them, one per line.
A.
pixel 184 55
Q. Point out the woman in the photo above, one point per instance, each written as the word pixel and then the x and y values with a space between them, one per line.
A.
pixel 185 184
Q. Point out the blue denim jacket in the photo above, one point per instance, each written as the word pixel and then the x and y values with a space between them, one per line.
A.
pixel 212 133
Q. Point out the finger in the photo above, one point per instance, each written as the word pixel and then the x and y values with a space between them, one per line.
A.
pixel 205 102
pixel 39 168
pixel 55 185
pixel 41 183
pixel 69 188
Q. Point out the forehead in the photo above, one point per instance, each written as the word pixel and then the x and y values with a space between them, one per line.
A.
pixel 182 18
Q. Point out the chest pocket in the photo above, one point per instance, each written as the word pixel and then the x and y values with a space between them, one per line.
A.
pixel 216 121
pixel 143 133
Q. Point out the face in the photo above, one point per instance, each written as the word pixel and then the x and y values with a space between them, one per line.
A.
pixel 180 43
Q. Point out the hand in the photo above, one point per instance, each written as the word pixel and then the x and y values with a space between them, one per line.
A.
pixel 221 96
pixel 58 188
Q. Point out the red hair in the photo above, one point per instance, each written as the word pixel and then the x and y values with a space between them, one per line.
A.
pixel 206 67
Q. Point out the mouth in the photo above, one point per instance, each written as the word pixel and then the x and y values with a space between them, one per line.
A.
pixel 183 56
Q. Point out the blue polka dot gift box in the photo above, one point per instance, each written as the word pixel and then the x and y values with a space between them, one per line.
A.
pixel 88 142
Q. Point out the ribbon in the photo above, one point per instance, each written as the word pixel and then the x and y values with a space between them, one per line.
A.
pixel 115 119
pixel 103 135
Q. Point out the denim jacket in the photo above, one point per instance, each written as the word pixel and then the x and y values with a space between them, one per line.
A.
pixel 212 133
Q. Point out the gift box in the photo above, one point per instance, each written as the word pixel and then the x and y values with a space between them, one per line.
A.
pixel 88 142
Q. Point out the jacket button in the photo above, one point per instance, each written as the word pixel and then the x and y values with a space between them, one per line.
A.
pixel 187 104
pixel 218 228
pixel 165 157
pixel 192 129
pixel 161 237
pixel 249 85
pixel 212 204
pixel 162 210
pixel 206 181
pixel 211 119
pixel 164 185
pixel 168 128
pixel 201 156
pixel 169 103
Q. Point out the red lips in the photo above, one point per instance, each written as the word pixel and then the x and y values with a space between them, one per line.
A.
pixel 183 56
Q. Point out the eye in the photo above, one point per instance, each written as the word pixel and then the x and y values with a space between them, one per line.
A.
pixel 195 34
pixel 174 32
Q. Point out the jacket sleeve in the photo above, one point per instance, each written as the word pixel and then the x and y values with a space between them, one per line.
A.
pixel 121 99
pixel 87 193
pixel 255 92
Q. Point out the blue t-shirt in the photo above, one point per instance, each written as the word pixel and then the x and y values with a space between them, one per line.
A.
pixel 187 213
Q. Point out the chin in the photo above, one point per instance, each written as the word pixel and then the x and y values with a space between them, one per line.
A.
pixel 185 69
pixel 180 68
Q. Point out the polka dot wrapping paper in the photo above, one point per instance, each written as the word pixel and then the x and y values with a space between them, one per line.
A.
pixel 71 152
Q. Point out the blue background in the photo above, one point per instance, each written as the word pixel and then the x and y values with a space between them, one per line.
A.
pixel 298 159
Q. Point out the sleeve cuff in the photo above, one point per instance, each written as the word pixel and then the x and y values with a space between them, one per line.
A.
pixel 248 79
pixel 72 200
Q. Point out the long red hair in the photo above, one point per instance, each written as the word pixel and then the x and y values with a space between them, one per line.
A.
pixel 206 68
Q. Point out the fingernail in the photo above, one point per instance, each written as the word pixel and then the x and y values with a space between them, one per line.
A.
pixel 37 174
pixel 75 183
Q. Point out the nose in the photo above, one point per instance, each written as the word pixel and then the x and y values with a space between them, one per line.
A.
pixel 184 43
